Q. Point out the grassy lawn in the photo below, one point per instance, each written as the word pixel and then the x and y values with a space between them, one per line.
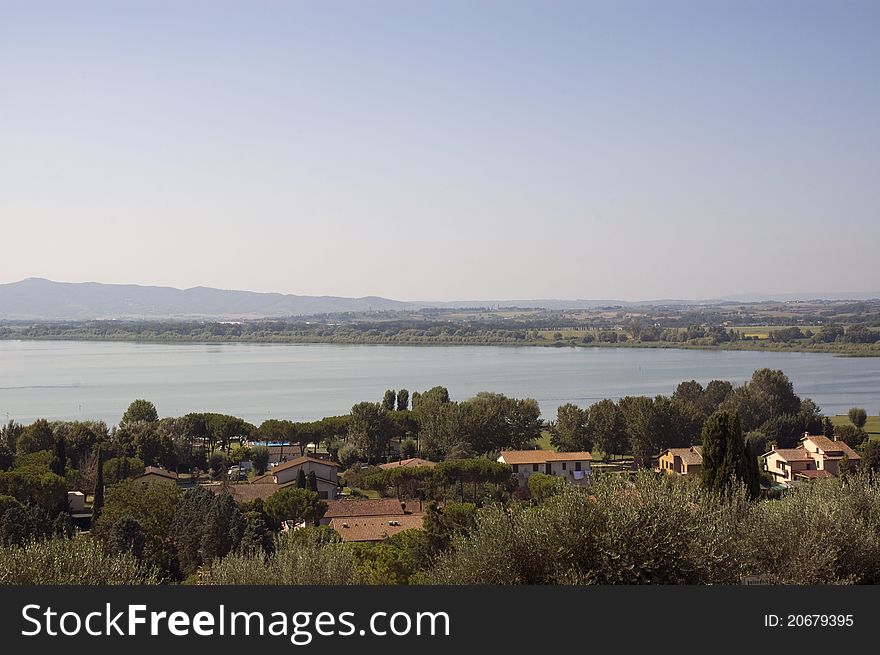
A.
pixel 369 493
pixel 872 427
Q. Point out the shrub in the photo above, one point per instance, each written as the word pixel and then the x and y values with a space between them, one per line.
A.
pixel 79 561
pixel 294 562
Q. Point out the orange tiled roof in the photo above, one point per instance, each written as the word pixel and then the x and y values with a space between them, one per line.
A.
pixel 542 456
pixel 375 528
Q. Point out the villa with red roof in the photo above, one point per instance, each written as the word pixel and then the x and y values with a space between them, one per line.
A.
pixel 816 457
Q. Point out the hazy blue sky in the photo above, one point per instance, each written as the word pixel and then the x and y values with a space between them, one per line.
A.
pixel 440 150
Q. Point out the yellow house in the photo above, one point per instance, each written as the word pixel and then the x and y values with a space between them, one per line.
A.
pixel 682 461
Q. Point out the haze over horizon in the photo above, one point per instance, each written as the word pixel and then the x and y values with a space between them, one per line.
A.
pixel 443 152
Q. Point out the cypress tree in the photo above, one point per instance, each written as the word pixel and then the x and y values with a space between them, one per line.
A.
pixel 59 461
pixel 301 479
pixel 98 501
pixel 313 481
pixel 726 459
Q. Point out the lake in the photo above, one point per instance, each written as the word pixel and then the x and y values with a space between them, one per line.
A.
pixel 97 380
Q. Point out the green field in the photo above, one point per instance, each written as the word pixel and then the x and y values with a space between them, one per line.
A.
pixel 872 427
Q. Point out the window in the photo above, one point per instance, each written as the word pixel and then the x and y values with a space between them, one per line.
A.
pixel 577 466
pixel 534 468
pixel 563 466
pixel 516 468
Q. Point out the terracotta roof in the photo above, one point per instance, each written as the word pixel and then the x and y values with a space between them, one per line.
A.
pixel 302 460
pixel 542 456
pixel 155 470
pixel 690 456
pixel 352 507
pixel 829 446
pixel 411 463
pixel 266 478
pixel 375 528
pixel 791 454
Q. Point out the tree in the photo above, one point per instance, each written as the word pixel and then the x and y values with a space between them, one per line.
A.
pixel 851 435
pixel 827 427
pixel 152 505
pixel 543 486
pixel 369 429
pixel 98 501
pixel 313 482
pixel 858 417
pixel 139 411
pixel 301 479
pixel 260 459
pixel 389 399
pixel 35 437
pixel 871 455
pixel 402 400
pixel 22 523
pixel 408 449
pixel 188 527
pixel 571 430
pixel 117 469
pixel 349 455
pixel 294 504
pixel 126 536
pixel 725 457
pixel 223 528
pixel 59 459
pixel 6 457
pixel 257 538
pixel 10 433
pixel 609 427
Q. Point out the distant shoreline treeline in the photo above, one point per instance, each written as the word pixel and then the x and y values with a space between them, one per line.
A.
pixel 207 334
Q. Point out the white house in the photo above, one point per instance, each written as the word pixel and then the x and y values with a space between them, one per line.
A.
pixel 574 467
pixel 325 472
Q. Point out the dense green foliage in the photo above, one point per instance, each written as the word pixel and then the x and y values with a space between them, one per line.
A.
pixel 81 561
pixel 665 530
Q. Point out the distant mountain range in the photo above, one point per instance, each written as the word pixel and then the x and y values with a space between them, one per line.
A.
pixel 38 299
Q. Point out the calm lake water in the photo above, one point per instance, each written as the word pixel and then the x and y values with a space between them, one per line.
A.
pixel 97 380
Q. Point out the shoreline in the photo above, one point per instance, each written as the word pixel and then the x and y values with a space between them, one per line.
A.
pixel 742 346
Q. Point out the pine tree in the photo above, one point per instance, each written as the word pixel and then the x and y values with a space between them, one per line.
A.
pixel 98 501
pixel 301 479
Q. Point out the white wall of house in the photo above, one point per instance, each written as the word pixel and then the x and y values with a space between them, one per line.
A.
pixel 326 474
pixel 563 469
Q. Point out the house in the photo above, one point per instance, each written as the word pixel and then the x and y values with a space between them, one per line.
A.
pixel 353 508
pixel 375 528
pixel 682 461
pixel 830 454
pixel 156 474
pixel 815 457
pixel 574 467
pixel 412 462
pixel 325 471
